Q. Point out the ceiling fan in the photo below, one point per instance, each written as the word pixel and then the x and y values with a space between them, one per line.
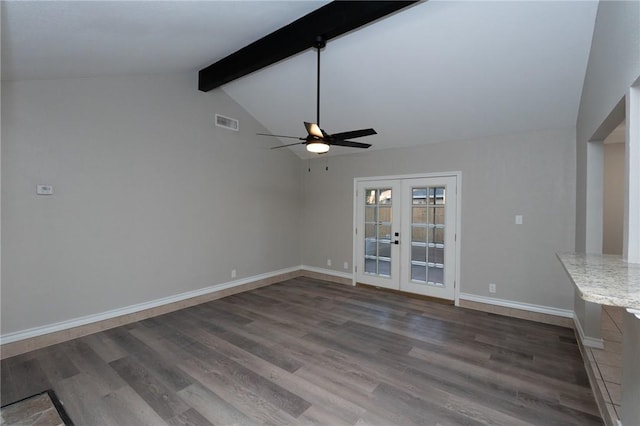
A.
pixel 317 140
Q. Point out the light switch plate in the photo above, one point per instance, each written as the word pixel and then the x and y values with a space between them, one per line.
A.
pixel 518 219
pixel 44 189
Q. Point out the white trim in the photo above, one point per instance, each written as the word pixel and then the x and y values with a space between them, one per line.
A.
pixel 631 234
pixel 566 313
pixel 338 274
pixel 355 242
pixel 411 176
pixel 76 322
pixel 458 238
pixel 588 342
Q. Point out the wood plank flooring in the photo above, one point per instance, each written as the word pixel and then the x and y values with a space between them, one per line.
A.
pixel 310 352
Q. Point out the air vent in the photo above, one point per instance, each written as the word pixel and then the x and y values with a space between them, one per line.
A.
pixel 226 122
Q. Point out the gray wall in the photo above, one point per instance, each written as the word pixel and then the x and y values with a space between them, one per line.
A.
pixel 531 174
pixel 613 209
pixel 151 199
pixel 614 65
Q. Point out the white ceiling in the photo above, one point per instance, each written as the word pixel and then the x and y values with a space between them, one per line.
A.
pixel 437 71
pixel 61 39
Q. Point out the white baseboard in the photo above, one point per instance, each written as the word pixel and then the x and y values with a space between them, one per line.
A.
pixel 111 314
pixel 93 318
pixel 548 310
pixel 590 342
pixel 346 275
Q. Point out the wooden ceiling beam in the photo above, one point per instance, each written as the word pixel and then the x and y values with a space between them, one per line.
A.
pixel 329 21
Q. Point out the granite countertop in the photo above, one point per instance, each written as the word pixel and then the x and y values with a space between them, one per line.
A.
pixel 604 279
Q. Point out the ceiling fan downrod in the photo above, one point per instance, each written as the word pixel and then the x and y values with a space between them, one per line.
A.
pixel 320 43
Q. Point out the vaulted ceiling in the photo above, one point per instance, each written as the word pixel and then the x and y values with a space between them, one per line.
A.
pixel 437 71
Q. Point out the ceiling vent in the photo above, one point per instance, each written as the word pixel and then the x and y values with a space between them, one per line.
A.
pixel 227 123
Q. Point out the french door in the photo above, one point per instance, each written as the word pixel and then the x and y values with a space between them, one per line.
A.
pixel 406 234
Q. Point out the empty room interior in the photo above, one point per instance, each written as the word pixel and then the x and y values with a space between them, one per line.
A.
pixel 314 212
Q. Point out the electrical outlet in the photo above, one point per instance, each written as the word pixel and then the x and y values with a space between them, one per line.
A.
pixel 492 288
pixel 233 273
pixel 328 262
pixel 346 265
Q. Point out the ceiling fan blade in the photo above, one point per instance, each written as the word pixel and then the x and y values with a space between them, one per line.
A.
pixel 291 144
pixel 354 134
pixel 351 144
pixel 281 136
pixel 314 130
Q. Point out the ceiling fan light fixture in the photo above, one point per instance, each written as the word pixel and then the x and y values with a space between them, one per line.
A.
pixel 317 147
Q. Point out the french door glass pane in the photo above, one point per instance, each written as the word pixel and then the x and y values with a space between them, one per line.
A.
pixel 384 249
pixel 436 254
pixel 377 236
pixel 419 273
pixel 419 196
pixel 427 235
pixel 436 276
pixel 384 196
pixel 418 233
pixel 438 235
pixel 419 215
pixel 370 266
pixel 370 231
pixel 384 268
pixel 370 197
pixel 437 217
pixel 370 214
pixel 384 214
pixel 419 252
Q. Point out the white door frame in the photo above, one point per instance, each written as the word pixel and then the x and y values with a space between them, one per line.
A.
pixel 458 224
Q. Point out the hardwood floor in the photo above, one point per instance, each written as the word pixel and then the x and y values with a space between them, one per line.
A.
pixel 311 352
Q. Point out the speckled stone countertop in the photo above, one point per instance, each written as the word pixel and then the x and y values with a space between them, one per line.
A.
pixel 604 279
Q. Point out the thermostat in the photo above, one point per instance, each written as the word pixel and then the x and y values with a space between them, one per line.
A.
pixel 44 189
